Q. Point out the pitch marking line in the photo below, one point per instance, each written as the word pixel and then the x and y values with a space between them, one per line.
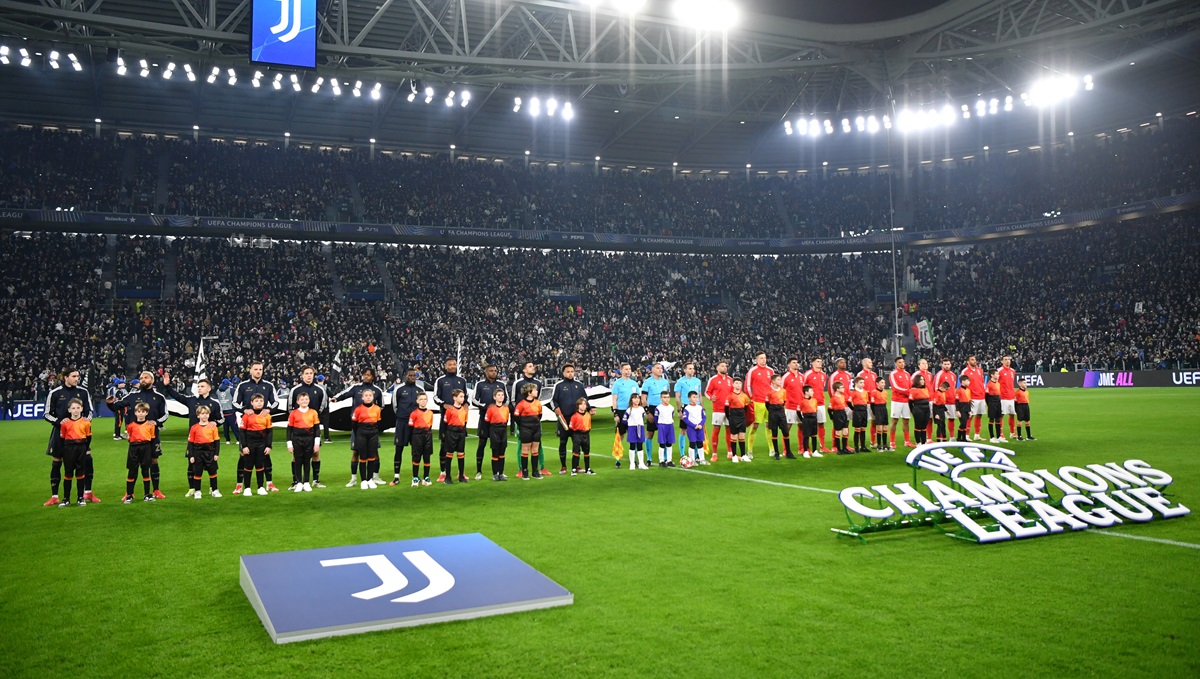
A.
pixel 753 480
pixel 1173 543
pixel 1160 541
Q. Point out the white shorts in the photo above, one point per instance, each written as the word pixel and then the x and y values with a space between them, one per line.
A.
pixel 793 416
pixel 820 414
pixel 951 412
pixel 978 407
pixel 1008 407
pixel 900 411
pixel 719 420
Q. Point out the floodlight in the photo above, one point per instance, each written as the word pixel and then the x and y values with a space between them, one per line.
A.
pixel 707 15
pixel 860 124
pixel 568 113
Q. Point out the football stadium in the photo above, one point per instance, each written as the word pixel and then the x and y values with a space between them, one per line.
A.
pixel 897 302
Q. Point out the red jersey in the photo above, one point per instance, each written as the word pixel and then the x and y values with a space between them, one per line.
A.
pixel 581 422
pixel 456 416
pixel 141 432
pixel 1008 383
pixel 758 383
pixel 928 378
pixel 1022 396
pixel 75 430
pixel 303 420
pixel 737 401
pixel 878 397
pixel 496 414
pixel 844 378
pixel 808 406
pixel 793 384
pixel 421 419
pixel 976 375
pixel 900 381
pixel 816 380
pixel 260 421
pixel 945 377
pixel 527 408
pixel 204 433
pixel 718 389
pixel 869 379
pixel 366 414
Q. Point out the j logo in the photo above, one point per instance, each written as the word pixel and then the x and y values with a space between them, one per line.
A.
pixel 289 20
pixel 392 580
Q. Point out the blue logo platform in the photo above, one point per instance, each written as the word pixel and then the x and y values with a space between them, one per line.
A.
pixel 328 592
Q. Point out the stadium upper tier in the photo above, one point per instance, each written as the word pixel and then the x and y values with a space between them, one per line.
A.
pixel 1111 296
pixel 72 171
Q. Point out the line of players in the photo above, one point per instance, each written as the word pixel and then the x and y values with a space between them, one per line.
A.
pixel 855 401
pixel 779 400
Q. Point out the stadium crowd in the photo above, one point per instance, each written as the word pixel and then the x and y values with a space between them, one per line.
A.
pixel 58 170
pixel 1120 296
pixel 57 309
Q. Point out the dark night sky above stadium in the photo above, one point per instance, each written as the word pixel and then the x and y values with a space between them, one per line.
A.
pixel 840 11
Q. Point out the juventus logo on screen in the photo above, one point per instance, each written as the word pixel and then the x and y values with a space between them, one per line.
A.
pixel 289 20
pixel 284 32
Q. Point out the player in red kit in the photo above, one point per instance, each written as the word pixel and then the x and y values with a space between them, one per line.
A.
pixel 978 407
pixel 923 371
pixel 900 382
pixel 816 378
pixel 758 388
pixel 719 387
pixel 948 377
pixel 1008 393
pixel 793 386
pixel 844 378
pixel 869 379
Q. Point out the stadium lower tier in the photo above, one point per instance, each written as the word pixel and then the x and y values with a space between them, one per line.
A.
pixel 1120 295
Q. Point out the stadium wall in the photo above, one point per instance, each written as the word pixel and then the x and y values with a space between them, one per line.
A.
pixel 142 224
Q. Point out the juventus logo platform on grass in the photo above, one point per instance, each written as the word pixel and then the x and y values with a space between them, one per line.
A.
pixel 328 592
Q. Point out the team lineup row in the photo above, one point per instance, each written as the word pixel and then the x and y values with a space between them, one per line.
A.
pixel 642 411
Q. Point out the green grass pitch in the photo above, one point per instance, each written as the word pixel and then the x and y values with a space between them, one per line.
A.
pixel 675 573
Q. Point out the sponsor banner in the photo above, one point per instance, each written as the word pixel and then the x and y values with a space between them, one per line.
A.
pixel 538 238
pixel 1142 378
pixel 274 226
pixel 328 592
pixel 26 410
pixel 1051 380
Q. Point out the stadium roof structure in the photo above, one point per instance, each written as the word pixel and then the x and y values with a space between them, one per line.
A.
pixel 646 89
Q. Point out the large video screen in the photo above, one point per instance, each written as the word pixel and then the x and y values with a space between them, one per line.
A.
pixel 284 33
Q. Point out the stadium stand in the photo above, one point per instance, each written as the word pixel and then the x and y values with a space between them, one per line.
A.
pixel 1068 300
pixel 55 170
pixel 1050 302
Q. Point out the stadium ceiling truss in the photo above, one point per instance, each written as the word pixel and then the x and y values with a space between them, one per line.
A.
pixel 580 50
pixel 765 70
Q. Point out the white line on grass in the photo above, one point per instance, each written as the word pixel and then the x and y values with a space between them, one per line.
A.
pixel 814 489
pixel 769 483
pixel 1160 541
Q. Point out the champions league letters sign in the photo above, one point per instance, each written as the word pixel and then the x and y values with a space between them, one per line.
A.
pixel 319 593
pixel 991 499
